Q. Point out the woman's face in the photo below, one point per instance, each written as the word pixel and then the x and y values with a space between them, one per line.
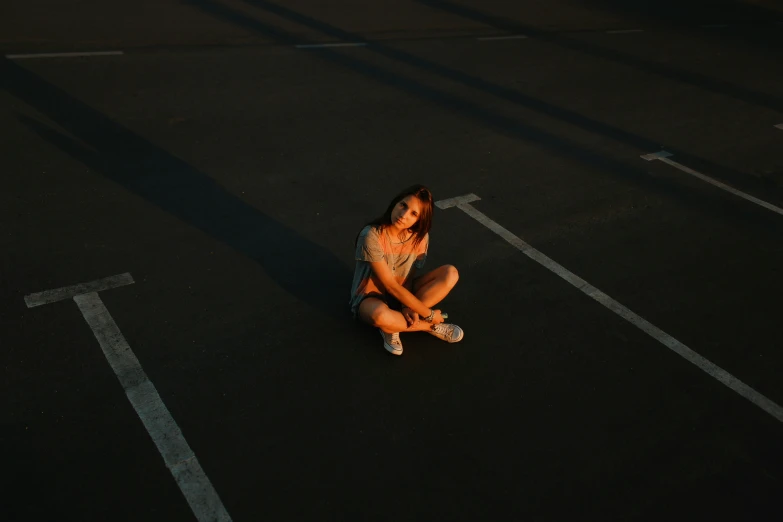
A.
pixel 406 212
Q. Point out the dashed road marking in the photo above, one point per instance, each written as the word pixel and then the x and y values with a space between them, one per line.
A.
pixel 337 44
pixel 507 37
pixel 61 55
pixel 664 157
pixel 721 375
pixel 179 458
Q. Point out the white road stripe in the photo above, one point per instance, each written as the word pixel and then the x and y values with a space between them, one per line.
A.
pixel 509 37
pixel 459 200
pixel 61 55
pixel 463 203
pixel 341 44
pixel 664 157
pixel 167 436
pixel 779 126
pixel 67 292
pixel 624 31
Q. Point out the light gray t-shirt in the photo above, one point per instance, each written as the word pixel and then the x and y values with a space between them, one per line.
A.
pixel 374 245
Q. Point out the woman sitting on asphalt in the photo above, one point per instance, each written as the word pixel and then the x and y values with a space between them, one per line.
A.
pixel 386 292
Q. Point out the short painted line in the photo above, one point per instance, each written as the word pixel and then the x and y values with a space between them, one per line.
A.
pixel 459 200
pixel 61 55
pixel 779 126
pixel 625 31
pixel 508 37
pixel 164 431
pixel 67 292
pixel 463 203
pixel 341 44
pixel 664 157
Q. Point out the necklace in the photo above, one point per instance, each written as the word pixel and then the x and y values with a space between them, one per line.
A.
pixel 398 242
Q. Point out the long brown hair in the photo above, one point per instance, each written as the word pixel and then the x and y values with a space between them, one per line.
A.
pixel 423 225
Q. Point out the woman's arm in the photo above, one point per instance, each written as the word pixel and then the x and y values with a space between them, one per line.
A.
pixel 410 316
pixel 399 292
pixel 408 283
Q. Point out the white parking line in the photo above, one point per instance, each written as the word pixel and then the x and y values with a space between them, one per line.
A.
pixel 61 55
pixel 463 203
pixel 779 126
pixel 507 37
pixel 624 31
pixel 67 292
pixel 664 157
pixel 179 458
pixel 339 44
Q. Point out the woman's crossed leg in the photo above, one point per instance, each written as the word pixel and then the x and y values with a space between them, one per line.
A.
pixel 430 288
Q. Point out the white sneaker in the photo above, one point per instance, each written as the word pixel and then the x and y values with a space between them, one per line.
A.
pixel 391 342
pixel 451 333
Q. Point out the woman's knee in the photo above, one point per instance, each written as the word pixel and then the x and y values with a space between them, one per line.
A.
pixel 451 275
pixel 373 311
pixel 380 316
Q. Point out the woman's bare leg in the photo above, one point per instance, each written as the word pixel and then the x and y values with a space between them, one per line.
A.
pixel 432 287
pixel 376 313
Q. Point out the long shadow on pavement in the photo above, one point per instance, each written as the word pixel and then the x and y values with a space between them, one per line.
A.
pixel 304 269
pixel 696 79
pixel 644 145
pixel 688 14
pixel 503 124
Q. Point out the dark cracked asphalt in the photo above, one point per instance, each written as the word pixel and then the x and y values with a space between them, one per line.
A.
pixel 228 172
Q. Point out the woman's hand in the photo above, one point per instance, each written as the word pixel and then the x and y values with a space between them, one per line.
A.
pixel 410 316
pixel 437 318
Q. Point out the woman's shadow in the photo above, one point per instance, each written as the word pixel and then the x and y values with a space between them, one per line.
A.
pixel 304 269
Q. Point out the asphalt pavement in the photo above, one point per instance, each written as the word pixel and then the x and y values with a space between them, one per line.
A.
pixel 227 169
